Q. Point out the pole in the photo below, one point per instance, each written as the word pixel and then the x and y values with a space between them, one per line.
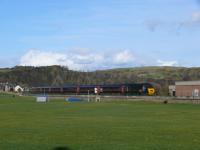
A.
pixel 88 95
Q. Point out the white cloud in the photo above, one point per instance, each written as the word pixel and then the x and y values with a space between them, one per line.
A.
pixel 124 57
pixel 85 59
pixel 38 58
pixel 192 21
pixel 80 59
pixel 73 61
pixel 196 17
pixel 167 63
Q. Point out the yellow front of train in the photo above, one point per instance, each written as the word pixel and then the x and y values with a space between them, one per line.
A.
pixel 151 91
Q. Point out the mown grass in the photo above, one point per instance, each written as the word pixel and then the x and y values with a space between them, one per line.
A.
pixel 27 125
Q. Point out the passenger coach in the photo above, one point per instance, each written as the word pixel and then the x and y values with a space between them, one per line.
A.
pixel 106 89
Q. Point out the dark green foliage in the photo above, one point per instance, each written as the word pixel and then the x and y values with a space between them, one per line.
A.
pixel 56 75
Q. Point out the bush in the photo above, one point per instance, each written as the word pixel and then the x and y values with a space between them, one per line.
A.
pixel 165 102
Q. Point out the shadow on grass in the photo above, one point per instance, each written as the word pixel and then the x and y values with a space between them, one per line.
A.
pixel 62 148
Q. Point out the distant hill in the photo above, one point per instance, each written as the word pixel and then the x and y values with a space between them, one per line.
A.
pixel 56 75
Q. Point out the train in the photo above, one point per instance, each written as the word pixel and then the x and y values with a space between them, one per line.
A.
pixel 104 89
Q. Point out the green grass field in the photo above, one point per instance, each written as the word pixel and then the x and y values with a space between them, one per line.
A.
pixel 27 125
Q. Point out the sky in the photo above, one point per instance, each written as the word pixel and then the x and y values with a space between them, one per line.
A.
pixel 99 34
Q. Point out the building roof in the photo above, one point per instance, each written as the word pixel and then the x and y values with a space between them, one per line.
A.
pixel 187 83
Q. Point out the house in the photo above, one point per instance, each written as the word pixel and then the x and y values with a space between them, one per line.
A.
pixel 187 88
pixel 18 89
pixel 6 87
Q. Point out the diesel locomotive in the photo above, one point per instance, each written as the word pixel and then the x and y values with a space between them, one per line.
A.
pixel 106 89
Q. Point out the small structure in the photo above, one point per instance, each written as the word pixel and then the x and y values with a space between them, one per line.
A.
pixel 6 87
pixel 187 88
pixel 42 99
pixel 18 89
pixel 97 98
pixel 172 90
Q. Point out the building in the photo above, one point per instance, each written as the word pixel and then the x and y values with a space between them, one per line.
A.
pixel 2 86
pixel 187 88
pixel 18 89
pixel 172 90
pixel 6 87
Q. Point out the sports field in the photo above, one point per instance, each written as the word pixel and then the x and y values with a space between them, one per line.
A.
pixel 27 125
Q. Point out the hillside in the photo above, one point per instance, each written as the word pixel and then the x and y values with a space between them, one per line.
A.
pixel 56 75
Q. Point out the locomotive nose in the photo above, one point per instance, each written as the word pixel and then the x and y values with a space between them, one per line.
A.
pixel 151 91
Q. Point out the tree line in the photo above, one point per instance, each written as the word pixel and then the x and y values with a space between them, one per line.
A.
pixel 58 76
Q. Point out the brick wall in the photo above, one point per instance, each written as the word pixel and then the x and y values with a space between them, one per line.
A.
pixel 186 90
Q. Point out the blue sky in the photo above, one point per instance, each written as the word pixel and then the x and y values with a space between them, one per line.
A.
pixel 100 34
